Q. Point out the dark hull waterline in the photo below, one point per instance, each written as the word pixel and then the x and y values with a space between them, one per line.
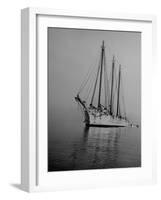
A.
pixel 105 126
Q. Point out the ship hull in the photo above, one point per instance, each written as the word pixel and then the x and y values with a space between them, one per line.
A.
pixel 106 121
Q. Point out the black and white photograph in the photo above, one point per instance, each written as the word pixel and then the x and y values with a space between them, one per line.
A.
pixel 94 99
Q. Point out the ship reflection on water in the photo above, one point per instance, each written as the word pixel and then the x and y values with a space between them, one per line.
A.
pixel 99 148
pixel 96 148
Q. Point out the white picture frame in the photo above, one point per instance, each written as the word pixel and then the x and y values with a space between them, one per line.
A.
pixel 33 178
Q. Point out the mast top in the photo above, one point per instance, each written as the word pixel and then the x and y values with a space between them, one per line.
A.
pixel 103 44
pixel 113 59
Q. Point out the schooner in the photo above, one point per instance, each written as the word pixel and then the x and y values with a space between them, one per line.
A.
pixel 103 107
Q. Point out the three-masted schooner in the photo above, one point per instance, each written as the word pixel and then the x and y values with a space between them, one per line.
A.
pixel 104 107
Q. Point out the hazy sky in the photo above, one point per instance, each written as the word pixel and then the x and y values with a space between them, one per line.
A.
pixel 70 54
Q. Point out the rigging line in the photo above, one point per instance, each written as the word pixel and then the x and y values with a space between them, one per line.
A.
pixel 115 90
pixel 88 88
pixel 110 60
pixel 114 95
pixel 86 81
pixel 105 81
pixel 112 82
pixel 90 70
pixel 96 81
pixel 100 81
pixel 78 108
pixel 108 91
pixel 119 63
pixel 81 109
pixel 122 95
pixel 118 92
pixel 122 110
pixel 110 52
pixel 90 84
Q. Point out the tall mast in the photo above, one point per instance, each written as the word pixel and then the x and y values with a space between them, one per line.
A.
pixel 105 81
pixel 100 85
pixel 111 99
pixel 94 90
pixel 118 93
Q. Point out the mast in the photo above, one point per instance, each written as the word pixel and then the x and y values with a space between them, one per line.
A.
pixel 111 99
pixel 105 81
pixel 95 85
pixel 118 93
pixel 100 84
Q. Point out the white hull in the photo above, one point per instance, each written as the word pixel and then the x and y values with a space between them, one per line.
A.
pixel 106 120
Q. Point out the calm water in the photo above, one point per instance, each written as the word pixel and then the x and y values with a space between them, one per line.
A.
pixel 71 146
pixel 71 52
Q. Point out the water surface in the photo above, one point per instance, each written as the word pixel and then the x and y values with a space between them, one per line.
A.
pixel 75 147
